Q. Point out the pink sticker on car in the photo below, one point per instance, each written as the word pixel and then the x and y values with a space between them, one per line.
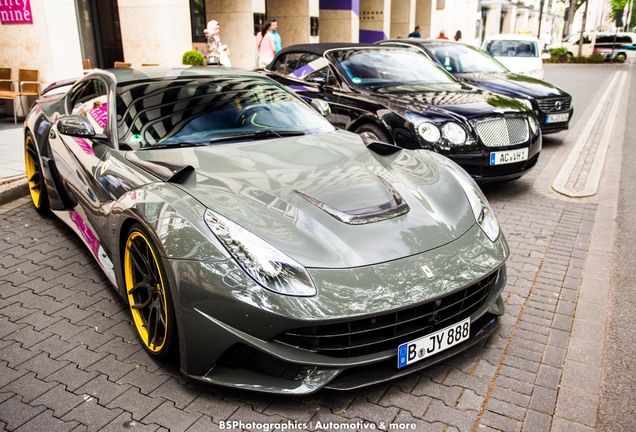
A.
pixel 84 145
pixel 100 114
pixel 87 233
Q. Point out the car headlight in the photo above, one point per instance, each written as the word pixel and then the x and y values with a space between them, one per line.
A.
pixel 534 124
pixel 268 266
pixel 454 133
pixel 429 131
pixel 478 203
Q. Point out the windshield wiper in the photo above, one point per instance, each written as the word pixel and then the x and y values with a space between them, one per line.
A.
pixel 268 133
pixel 175 144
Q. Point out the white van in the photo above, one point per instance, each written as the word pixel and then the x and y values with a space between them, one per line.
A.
pixel 518 52
pixel 622 44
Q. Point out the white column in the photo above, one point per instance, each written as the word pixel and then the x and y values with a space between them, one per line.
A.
pixel 237 28
pixel 425 11
pixel 155 31
pixel 375 20
pixel 339 21
pixel 293 19
pixel 493 20
pixel 402 18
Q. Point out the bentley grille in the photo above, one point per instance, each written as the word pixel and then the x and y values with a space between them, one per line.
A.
pixel 385 332
pixel 502 131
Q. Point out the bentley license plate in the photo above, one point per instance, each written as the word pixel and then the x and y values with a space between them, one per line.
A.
pixel 433 343
pixel 557 118
pixel 510 156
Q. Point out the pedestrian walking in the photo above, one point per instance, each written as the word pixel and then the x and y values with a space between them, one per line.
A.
pixel 277 38
pixel 458 36
pixel 218 52
pixel 265 44
pixel 442 35
pixel 415 33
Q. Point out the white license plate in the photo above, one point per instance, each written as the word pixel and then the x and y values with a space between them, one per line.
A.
pixel 510 156
pixel 433 343
pixel 556 118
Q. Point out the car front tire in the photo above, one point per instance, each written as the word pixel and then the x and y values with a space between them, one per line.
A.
pixel 148 294
pixel 370 132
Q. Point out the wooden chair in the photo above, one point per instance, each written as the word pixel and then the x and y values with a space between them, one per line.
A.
pixel 119 64
pixel 28 84
pixel 6 86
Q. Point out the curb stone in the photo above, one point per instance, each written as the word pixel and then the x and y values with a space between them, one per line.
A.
pixel 13 188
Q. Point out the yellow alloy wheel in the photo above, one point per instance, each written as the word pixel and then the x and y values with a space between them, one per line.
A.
pixel 34 173
pixel 146 293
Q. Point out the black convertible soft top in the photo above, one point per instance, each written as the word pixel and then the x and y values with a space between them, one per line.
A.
pixel 320 48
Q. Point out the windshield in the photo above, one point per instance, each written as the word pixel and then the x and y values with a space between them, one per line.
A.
pixel 463 59
pixel 203 110
pixel 511 48
pixel 371 68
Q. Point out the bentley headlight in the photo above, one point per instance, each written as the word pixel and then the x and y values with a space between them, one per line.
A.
pixel 267 265
pixel 534 124
pixel 429 131
pixel 479 205
pixel 454 133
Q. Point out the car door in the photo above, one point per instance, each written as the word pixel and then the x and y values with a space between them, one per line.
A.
pixel 78 158
pixel 310 77
pixel 356 106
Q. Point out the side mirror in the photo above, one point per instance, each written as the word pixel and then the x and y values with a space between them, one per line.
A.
pixel 75 125
pixel 321 106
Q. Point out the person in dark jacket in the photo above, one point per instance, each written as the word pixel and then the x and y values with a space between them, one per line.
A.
pixel 415 33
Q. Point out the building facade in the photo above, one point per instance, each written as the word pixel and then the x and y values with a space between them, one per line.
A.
pixel 61 33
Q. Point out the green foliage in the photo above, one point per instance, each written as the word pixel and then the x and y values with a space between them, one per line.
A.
pixel 558 55
pixel 594 58
pixel 617 7
pixel 192 57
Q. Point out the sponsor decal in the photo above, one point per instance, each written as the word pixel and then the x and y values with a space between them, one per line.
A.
pixel 84 145
pixel 99 113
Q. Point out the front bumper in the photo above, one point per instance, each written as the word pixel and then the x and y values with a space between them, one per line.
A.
pixel 477 163
pixel 548 128
pixel 229 327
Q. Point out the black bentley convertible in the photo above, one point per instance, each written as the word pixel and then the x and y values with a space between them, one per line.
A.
pixel 398 96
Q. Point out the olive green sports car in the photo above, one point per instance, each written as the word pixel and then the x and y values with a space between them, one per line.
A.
pixel 269 250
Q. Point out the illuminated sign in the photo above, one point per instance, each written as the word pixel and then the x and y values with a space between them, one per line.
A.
pixel 15 12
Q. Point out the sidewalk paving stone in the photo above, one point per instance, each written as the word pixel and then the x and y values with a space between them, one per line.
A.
pixel 46 422
pixel 15 413
pixel 93 415
pixel 60 400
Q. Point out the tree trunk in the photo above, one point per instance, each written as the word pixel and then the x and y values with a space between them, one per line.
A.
pixel 583 28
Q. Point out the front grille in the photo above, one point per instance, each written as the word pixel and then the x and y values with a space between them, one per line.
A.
pixel 388 331
pixel 502 131
pixel 550 105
